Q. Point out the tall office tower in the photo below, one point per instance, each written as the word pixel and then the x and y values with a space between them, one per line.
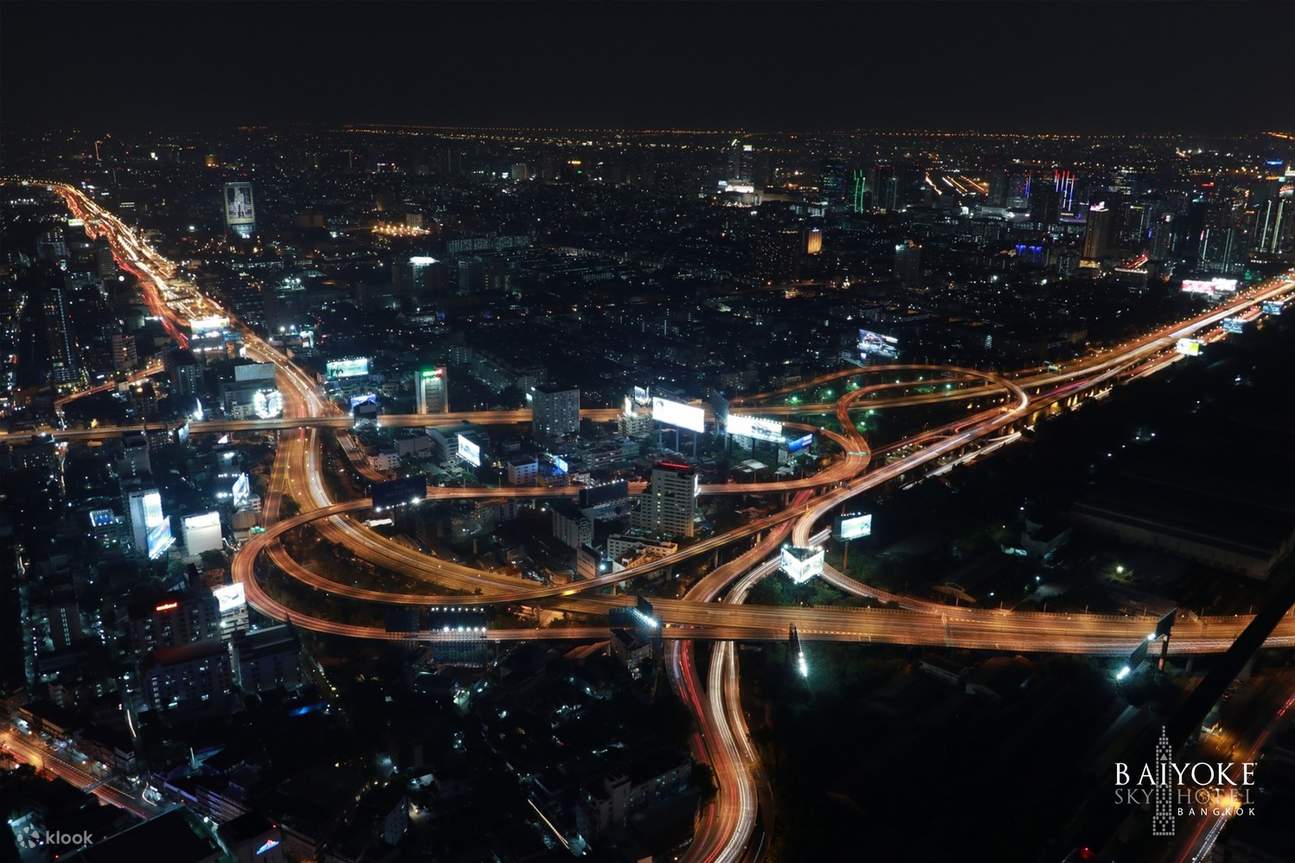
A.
pixel 1162 239
pixel 1064 182
pixel 1097 231
pixel 885 187
pixel 777 255
pixel 173 619
pixel 1017 195
pixel 1220 247
pixel 555 414
pixel 125 354
pixel 908 263
pixel 150 529
pixel 1135 224
pixel 833 182
pixel 1274 229
pixel 64 370
pixel 418 278
pixel 240 215
pixel 670 504
pixel 1044 201
pixel 997 196
pixel 432 390
pixel 741 160
pixel 182 370
pixel 858 191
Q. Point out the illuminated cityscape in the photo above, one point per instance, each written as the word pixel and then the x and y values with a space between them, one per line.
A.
pixel 710 433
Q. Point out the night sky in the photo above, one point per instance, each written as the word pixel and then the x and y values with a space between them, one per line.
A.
pixel 1099 66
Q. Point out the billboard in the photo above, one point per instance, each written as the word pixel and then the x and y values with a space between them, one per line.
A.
pixel 596 495
pixel 362 399
pixel 876 345
pixel 209 324
pixel 1235 325
pixel 229 597
pixel 559 463
pixel 1215 285
pixel 254 372
pixel 759 428
pixel 852 525
pixel 678 414
pixel 800 443
pixel 239 211
pixel 641 395
pixel 267 404
pixel 469 451
pixel 801 563
pixel 351 367
pixel 1189 347
pixel 201 532
pixel 1274 307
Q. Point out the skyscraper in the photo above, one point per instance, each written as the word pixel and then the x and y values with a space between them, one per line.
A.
pixel 670 503
pixel 431 390
pixel 908 263
pixel 885 188
pixel 1097 231
pixel 858 191
pixel 64 370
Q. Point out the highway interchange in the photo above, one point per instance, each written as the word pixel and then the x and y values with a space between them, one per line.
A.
pixel 724 833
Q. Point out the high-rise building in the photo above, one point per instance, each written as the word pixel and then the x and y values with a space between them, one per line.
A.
pixel 908 263
pixel 669 505
pixel 150 529
pixel 182 369
pixel 1044 202
pixel 64 369
pixel 858 191
pixel 418 278
pixel 1220 247
pixel 833 182
pixel 555 414
pixel 884 186
pixel 1097 231
pixel 1274 227
pixel 777 255
pixel 125 354
pixel 741 158
pixel 191 677
pixel 173 619
pixel 431 390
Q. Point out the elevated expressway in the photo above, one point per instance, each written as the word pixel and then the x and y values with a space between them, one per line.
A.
pixel 727 826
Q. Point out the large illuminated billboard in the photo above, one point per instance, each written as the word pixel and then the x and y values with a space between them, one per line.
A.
pixel 267 404
pixel 469 451
pixel 150 524
pixel 853 526
pixel 876 345
pixel 239 212
pixel 1235 325
pixel 209 324
pixel 229 597
pixel 1216 285
pixel 351 367
pixel 102 518
pixel 801 563
pixel 1189 347
pixel 678 414
pixel 800 443
pixel 759 428
pixel 1274 307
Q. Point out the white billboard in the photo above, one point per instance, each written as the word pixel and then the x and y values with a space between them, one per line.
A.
pixel 267 404
pixel 201 532
pixel 208 324
pixel 351 367
pixel 1189 347
pixel 854 525
pixel 877 345
pixel 759 428
pixel 157 527
pixel 230 596
pixel 238 204
pixel 469 451
pixel 801 563
pixel 678 414
pixel 1216 285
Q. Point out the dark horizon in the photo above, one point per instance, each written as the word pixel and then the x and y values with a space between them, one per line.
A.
pixel 1009 67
